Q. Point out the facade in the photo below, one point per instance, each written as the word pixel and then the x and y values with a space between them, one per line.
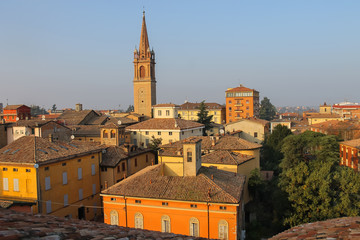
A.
pixel 350 154
pixel 325 109
pixel 241 102
pixel 322 117
pixel 58 178
pixel 39 128
pixel 13 113
pixel 197 201
pixel 144 75
pixel 189 111
pixel 252 129
pixel 165 111
pixel 345 130
pixel 168 129
pixel 283 122
pixel 347 110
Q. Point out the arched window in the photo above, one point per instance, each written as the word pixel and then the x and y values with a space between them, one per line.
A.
pixel 105 134
pixel 112 134
pixel 194 227
pixel 142 72
pixel 189 155
pixel 114 218
pixel 165 224
pixel 139 220
pixel 223 229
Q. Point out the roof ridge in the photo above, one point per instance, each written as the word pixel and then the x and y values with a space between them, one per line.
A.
pixel 218 187
pixel 232 157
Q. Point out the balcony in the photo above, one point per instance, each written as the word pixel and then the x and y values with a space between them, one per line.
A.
pixel 238 104
pixel 238 110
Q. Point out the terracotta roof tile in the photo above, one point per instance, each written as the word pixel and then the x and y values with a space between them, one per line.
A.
pixel 338 228
pixel 166 124
pixel 13 107
pixel 114 154
pixel 72 117
pixel 226 157
pixel 149 182
pixel 22 150
pixel 193 106
pixel 352 143
pixel 165 105
pixel 240 89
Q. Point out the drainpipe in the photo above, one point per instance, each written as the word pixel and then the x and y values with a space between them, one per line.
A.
pixel 38 192
pixel 208 219
pixel 126 221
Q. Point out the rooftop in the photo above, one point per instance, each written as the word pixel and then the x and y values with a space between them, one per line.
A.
pixel 13 107
pixel 72 117
pixel 352 143
pixel 338 228
pixel 165 105
pixel 240 89
pixel 193 106
pixel 23 150
pixel 18 225
pixel 114 154
pixel 220 186
pixel 165 124
pixel 225 157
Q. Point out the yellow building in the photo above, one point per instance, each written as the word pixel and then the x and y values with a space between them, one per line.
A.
pixel 144 75
pixel 165 110
pixel 189 111
pixel 56 178
pixel 227 153
pixel 314 118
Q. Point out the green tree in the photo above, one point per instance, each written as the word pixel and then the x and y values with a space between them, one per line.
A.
pixel 37 110
pixel 271 154
pixel 317 187
pixel 130 108
pixel 53 108
pixel 154 145
pixel 267 110
pixel 203 117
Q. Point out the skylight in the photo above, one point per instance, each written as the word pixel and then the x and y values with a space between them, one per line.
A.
pixel 43 151
pixel 54 149
pixel 63 147
pixel 15 151
pixel 73 145
pixel 6 151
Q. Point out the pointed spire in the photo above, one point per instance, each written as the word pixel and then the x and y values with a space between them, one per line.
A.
pixel 144 40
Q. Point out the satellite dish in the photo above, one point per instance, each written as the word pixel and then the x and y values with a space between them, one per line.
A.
pixel 222 131
pixel 43 117
pixel 36 165
pixel 119 122
pixel 72 137
pixel 17 118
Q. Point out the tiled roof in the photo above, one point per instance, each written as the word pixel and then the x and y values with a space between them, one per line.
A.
pixel 338 228
pixel 256 120
pixel 240 89
pixel 22 150
pixel 13 107
pixel 165 105
pixel 323 115
pixel 72 117
pixel 114 154
pixel 124 120
pixel 5 204
pixel 221 143
pixel 335 124
pixel 225 157
pixel 149 182
pixel 85 130
pixel 165 124
pixel 352 143
pixel 193 106
pixel 19 225
pixel 100 120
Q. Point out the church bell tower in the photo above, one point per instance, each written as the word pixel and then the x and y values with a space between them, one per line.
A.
pixel 144 75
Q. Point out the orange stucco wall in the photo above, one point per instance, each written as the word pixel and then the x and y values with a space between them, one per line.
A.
pixel 179 212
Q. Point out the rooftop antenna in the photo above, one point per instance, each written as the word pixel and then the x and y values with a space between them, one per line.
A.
pixel 143 10
pixel 7 102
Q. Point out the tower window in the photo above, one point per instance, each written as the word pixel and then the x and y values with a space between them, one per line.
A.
pixel 142 72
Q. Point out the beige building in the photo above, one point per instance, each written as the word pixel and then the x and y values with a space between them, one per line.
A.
pixel 325 109
pixel 168 129
pixel 165 110
pixel 189 111
pixel 144 75
pixel 322 117
pixel 253 129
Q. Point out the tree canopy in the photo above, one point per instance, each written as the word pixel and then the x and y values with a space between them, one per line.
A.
pixel 317 187
pixel 267 110
pixel 203 117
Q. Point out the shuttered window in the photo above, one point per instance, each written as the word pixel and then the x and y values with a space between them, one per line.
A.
pixel 66 199
pixel 194 227
pixel 80 194
pixel 47 183
pixel 16 184
pixel 139 221
pixel 114 218
pixel 65 181
pixel 165 224
pixel 48 206
pixel 93 169
pixel 79 173
pixel 6 184
pixel 223 229
pixel 94 189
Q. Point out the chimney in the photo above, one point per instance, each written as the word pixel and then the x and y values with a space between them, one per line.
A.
pixel 78 107
pixel 50 138
pixel 106 184
pixel 212 177
pixel 213 140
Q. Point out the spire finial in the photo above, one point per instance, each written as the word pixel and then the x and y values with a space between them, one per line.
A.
pixel 143 11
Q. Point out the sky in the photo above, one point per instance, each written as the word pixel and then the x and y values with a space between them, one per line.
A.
pixel 63 52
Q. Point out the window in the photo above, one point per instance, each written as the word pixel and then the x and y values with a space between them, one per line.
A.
pixel 194 227
pixel 105 134
pixel 139 220
pixel 165 203
pixel 147 133
pixel 112 134
pixel 6 184
pixel 247 101
pixel 167 112
pixel 93 169
pixel 94 189
pixel 118 168
pixel 114 218
pixel 28 170
pixel 80 194
pixel 47 183
pixel 159 133
pixel 92 157
pixel 159 112
pixel 104 169
pixel 66 200
pixel 147 142
pixel 5 169
pixel 15 169
pixel 123 166
pixel 222 208
pixel 229 101
pixel 64 176
pixel 113 199
pixel 135 162
pixel 255 134
pixel 189 155
pixel 229 108
pixel 165 224
pixel 79 173
pixel 138 201
pixel 182 133
pixel 48 206
pixel 193 205
pixel 223 229
pixel 170 133
pixel 79 160
pixel 63 164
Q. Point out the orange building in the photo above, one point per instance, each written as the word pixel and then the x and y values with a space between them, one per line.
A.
pixel 13 113
pixel 196 200
pixel 241 102
pixel 349 154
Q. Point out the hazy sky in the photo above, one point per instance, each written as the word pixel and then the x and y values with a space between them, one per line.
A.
pixel 295 52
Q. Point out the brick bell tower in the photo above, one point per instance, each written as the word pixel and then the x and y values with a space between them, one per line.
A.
pixel 144 75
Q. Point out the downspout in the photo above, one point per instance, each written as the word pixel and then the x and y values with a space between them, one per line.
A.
pixel 126 221
pixel 208 219
pixel 38 192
